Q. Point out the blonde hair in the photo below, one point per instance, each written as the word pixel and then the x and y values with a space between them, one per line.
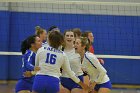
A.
pixel 39 30
pixel 85 42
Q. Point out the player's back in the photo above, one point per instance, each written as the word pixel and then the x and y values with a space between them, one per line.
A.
pixel 50 61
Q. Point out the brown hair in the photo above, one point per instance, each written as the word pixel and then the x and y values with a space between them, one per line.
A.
pixel 85 34
pixel 55 39
pixel 68 31
pixel 85 42
pixel 26 44
pixel 77 32
pixel 39 30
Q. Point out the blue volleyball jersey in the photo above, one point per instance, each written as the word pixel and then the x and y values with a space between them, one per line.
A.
pixel 28 62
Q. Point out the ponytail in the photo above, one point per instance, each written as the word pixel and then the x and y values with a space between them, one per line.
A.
pixel 26 44
pixel 85 42
pixel 39 30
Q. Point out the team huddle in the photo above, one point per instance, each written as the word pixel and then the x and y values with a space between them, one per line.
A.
pixel 57 63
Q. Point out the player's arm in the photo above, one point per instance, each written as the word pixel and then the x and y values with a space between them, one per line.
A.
pixel 34 68
pixel 66 67
pixel 101 61
pixel 96 64
pixel 27 63
pixel 29 66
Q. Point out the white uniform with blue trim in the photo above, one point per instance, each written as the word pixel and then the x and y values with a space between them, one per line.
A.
pixel 94 69
pixel 45 44
pixel 75 63
pixel 50 60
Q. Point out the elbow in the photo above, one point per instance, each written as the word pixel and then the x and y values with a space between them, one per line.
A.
pixel 30 67
pixel 103 73
pixel 100 77
pixel 71 74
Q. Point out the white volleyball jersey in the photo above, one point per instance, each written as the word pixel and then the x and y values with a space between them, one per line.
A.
pixel 45 44
pixel 50 60
pixel 75 63
pixel 94 69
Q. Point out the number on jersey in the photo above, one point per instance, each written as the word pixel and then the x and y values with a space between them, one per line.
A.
pixel 51 58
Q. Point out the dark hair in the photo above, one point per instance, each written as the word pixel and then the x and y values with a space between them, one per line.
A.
pixel 77 32
pixel 85 42
pixel 39 30
pixel 55 39
pixel 52 28
pixel 26 44
pixel 85 34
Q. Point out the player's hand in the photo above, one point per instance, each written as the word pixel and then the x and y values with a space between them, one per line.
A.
pixel 101 61
pixel 36 68
pixel 84 86
pixel 91 86
pixel 27 74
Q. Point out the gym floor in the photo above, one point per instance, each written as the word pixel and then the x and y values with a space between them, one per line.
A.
pixel 9 88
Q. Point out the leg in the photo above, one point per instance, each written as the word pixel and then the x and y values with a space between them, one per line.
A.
pixel 77 90
pixel 93 91
pixel 63 90
pixel 66 85
pixel 24 91
pixel 23 86
pixel 104 90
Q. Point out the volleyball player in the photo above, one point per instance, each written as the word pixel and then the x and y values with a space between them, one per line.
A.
pixel 90 36
pixel 29 48
pixel 99 80
pixel 75 64
pixel 50 60
pixel 42 34
pixel 53 28
pixel 77 32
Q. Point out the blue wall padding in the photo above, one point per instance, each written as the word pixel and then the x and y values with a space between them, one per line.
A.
pixel 114 35
pixel 4 40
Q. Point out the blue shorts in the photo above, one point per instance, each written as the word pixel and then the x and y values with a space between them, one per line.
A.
pixel 104 85
pixel 23 85
pixel 69 83
pixel 46 84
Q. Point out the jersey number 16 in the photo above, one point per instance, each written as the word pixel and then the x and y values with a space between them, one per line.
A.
pixel 51 58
